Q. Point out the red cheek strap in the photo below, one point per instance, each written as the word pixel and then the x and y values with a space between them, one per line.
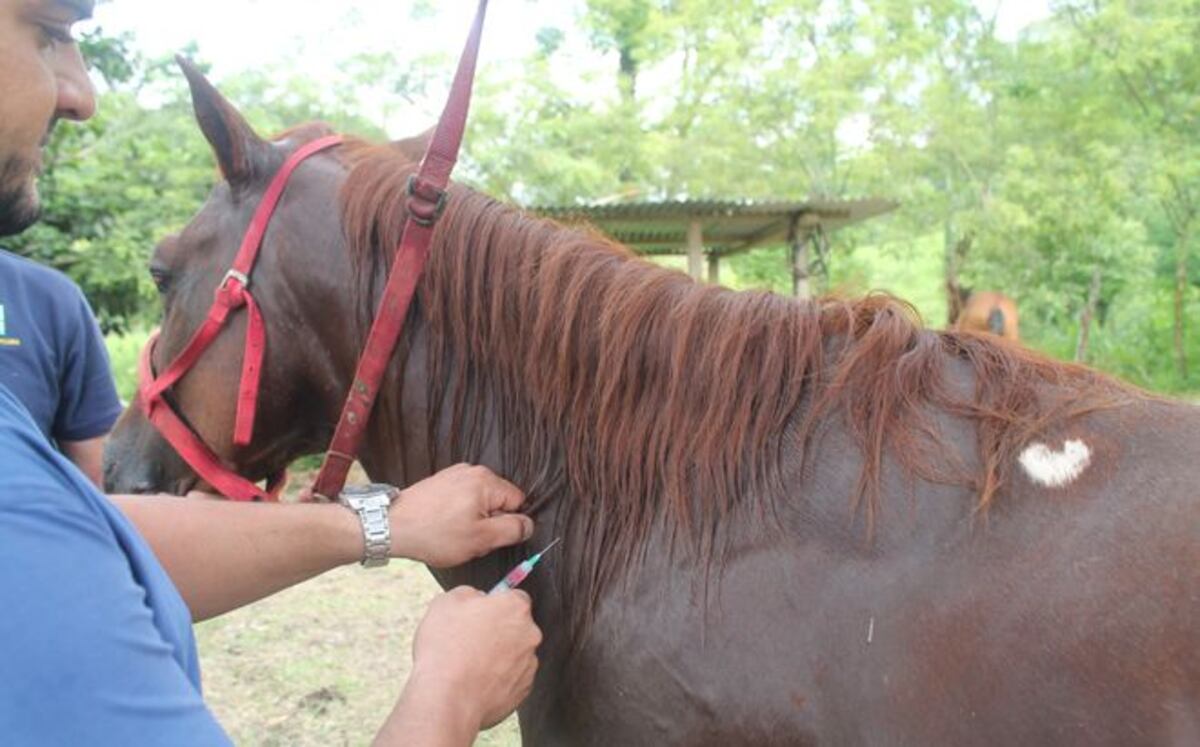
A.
pixel 190 446
pixel 233 293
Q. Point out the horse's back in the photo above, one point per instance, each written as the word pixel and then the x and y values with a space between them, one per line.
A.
pixel 1068 615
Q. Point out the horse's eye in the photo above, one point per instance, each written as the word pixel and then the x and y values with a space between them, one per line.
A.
pixel 161 278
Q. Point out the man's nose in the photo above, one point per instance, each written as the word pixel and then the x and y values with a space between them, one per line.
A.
pixel 76 95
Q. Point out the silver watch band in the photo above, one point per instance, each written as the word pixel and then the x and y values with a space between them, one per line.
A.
pixel 371 503
pixel 377 535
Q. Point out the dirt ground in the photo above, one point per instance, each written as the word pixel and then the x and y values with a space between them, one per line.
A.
pixel 321 663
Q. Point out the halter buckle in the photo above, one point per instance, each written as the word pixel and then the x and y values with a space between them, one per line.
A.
pixel 425 201
pixel 237 275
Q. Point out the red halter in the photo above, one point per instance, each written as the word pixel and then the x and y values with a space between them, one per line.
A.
pixel 427 199
pixel 232 294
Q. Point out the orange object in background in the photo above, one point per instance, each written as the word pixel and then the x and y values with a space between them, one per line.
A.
pixel 989 311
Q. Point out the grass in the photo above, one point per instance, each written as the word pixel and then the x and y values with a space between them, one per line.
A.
pixel 321 663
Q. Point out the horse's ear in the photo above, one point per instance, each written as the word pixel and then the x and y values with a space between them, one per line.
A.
pixel 235 143
pixel 413 148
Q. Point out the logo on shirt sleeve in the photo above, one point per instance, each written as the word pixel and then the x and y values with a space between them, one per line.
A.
pixel 5 340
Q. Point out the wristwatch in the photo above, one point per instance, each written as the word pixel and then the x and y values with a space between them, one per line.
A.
pixel 371 503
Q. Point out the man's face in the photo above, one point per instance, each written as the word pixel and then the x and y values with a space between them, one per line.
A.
pixel 42 79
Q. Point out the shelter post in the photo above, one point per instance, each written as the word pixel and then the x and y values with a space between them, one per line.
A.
pixel 714 269
pixel 714 230
pixel 695 249
pixel 799 249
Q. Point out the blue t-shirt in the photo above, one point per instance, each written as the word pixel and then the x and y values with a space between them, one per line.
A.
pixel 96 645
pixel 52 356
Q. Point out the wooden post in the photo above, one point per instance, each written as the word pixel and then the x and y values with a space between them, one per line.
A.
pixel 954 256
pixel 714 269
pixel 799 246
pixel 1085 317
pixel 1183 234
pixel 695 250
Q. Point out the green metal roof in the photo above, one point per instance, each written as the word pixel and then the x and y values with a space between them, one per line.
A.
pixel 727 226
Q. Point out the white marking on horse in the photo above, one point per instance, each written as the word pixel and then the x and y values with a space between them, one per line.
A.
pixel 1054 469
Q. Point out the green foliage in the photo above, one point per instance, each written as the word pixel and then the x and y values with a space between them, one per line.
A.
pixel 1026 150
pixel 115 185
pixel 112 188
pixel 1068 151
pixel 124 351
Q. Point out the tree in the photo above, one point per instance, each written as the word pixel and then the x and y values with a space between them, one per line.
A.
pixel 1061 168
pixel 1147 53
pixel 115 185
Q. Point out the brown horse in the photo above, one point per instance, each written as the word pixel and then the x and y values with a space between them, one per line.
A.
pixel 784 522
pixel 988 311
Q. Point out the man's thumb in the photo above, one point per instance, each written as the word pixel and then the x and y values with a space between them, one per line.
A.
pixel 508 529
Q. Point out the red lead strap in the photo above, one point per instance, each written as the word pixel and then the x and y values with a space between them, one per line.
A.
pixel 427 198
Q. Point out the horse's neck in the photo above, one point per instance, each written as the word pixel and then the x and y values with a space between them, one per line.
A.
pixel 401 452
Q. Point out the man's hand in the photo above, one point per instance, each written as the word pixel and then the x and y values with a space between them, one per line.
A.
pixel 474 660
pixel 479 649
pixel 457 515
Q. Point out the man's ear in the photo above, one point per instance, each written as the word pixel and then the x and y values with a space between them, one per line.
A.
pixel 237 148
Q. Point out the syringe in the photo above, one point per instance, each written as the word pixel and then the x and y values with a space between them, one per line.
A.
pixel 518 574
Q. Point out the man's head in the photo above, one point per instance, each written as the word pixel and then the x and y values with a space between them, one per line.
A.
pixel 42 80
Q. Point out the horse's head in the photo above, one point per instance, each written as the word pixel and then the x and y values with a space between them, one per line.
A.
pixel 300 284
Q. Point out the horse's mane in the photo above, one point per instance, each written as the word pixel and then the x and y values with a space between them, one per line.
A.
pixel 659 401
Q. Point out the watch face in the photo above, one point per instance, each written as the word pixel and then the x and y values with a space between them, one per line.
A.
pixel 369 490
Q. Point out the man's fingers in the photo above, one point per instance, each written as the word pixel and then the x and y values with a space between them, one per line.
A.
pixel 465 592
pixel 527 677
pixel 507 529
pixel 522 596
pixel 498 494
pixel 502 495
pixel 517 598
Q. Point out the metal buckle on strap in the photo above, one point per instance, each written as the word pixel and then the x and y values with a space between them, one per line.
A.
pixel 425 203
pixel 237 275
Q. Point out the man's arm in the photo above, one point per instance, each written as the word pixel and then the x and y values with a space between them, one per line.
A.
pixel 474 660
pixel 222 555
pixel 88 404
pixel 88 456
pixel 94 642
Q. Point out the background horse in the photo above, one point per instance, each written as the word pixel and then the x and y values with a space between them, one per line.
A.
pixel 784 522
pixel 987 311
